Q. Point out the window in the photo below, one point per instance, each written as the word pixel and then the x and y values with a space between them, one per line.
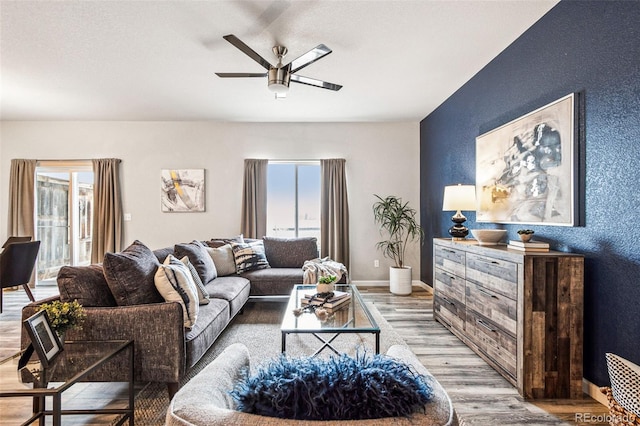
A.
pixel 293 199
pixel 64 204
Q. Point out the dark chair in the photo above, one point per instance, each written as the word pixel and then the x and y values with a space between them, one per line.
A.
pixel 11 240
pixel 17 261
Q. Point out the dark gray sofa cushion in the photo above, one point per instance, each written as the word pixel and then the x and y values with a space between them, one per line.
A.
pixel 86 284
pixel 290 252
pixel 161 254
pixel 273 281
pixel 130 274
pixel 199 258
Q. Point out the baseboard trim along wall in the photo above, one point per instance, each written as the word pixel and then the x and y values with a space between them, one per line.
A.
pixel 594 392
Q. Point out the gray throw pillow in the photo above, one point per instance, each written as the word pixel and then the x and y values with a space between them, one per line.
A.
pixel 173 280
pixel 86 284
pixel 203 294
pixel 223 259
pixel 290 252
pixel 199 258
pixel 130 275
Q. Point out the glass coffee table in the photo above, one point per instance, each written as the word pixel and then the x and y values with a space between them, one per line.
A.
pixel 80 361
pixel 352 317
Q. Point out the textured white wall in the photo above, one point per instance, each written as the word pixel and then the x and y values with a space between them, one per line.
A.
pixel 382 158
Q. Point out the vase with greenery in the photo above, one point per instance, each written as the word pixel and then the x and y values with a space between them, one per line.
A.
pixel 64 316
pixel 398 223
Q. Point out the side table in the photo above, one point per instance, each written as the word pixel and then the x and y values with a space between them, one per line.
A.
pixel 80 361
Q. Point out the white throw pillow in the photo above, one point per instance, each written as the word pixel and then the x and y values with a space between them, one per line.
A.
pixel 203 294
pixel 223 259
pixel 174 282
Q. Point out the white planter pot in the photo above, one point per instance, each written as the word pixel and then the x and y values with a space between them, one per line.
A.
pixel 400 280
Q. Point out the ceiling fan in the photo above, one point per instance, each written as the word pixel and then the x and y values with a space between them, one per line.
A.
pixel 281 75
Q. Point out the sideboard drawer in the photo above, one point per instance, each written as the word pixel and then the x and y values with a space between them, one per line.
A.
pixel 450 260
pixel 495 343
pixel 500 309
pixel 450 285
pixel 452 312
pixel 498 275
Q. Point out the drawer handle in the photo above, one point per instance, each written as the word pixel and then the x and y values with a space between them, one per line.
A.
pixel 449 251
pixel 494 262
pixel 487 293
pixel 448 301
pixel 485 325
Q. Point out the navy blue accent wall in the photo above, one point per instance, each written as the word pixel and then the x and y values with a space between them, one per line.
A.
pixel 591 47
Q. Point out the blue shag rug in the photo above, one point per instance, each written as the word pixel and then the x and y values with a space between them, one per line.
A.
pixel 342 387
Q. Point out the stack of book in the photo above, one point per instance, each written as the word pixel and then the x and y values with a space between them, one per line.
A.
pixel 335 302
pixel 531 246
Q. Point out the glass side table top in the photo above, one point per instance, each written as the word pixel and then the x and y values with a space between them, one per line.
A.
pixel 353 316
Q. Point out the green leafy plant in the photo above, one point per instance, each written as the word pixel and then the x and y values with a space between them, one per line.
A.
pixel 327 279
pixel 64 316
pixel 525 231
pixel 398 223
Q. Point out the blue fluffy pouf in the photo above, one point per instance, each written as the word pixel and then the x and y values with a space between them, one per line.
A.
pixel 339 388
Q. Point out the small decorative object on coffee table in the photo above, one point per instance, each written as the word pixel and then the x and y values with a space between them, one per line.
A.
pixel 326 284
pixel 64 316
pixel 525 234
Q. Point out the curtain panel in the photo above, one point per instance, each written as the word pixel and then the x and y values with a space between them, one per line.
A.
pixel 107 233
pixel 20 221
pixel 334 217
pixel 254 200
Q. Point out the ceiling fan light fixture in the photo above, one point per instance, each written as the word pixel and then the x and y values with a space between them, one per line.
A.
pixel 279 79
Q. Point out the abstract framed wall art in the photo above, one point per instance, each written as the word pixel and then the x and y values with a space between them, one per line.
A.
pixel 183 190
pixel 526 170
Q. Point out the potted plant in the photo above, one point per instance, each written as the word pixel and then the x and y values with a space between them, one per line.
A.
pixel 326 284
pixel 64 316
pixel 398 223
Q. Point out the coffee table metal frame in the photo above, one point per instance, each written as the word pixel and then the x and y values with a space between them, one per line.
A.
pixel 40 393
pixel 350 326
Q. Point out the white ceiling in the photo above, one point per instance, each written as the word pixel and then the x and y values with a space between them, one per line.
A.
pixel 155 60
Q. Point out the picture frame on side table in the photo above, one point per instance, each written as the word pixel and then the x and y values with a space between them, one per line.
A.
pixel 527 169
pixel 44 340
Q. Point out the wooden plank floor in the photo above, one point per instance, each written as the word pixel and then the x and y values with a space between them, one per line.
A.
pixel 479 394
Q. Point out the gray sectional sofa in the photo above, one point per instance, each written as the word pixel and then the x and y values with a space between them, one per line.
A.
pixel 122 302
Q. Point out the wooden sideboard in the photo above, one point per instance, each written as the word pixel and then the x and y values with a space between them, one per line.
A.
pixel 521 312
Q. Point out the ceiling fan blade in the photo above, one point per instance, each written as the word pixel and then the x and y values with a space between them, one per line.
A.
pixel 247 50
pixel 318 52
pixel 314 82
pixel 240 74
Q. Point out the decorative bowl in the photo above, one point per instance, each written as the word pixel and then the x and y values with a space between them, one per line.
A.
pixel 489 237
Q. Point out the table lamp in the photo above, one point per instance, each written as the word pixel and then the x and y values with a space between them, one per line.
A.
pixel 457 198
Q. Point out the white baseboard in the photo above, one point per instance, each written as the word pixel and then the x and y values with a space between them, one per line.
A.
pixel 594 392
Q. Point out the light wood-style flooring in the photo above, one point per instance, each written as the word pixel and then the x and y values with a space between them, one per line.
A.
pixel 479 394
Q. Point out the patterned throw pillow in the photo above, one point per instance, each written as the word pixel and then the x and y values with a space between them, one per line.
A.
pixel 249 256
pixel 203 294
pixel 173 281
pixel 339 388
pixel 199 258
pixel 223 259
pixel 130 273
pixel 625 382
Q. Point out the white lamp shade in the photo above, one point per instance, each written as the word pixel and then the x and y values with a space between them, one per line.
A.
pixel 459 197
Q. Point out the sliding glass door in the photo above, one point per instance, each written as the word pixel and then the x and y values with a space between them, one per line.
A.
pixel 64 202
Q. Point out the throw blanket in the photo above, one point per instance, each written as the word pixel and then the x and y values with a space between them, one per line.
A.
pixel 316 268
